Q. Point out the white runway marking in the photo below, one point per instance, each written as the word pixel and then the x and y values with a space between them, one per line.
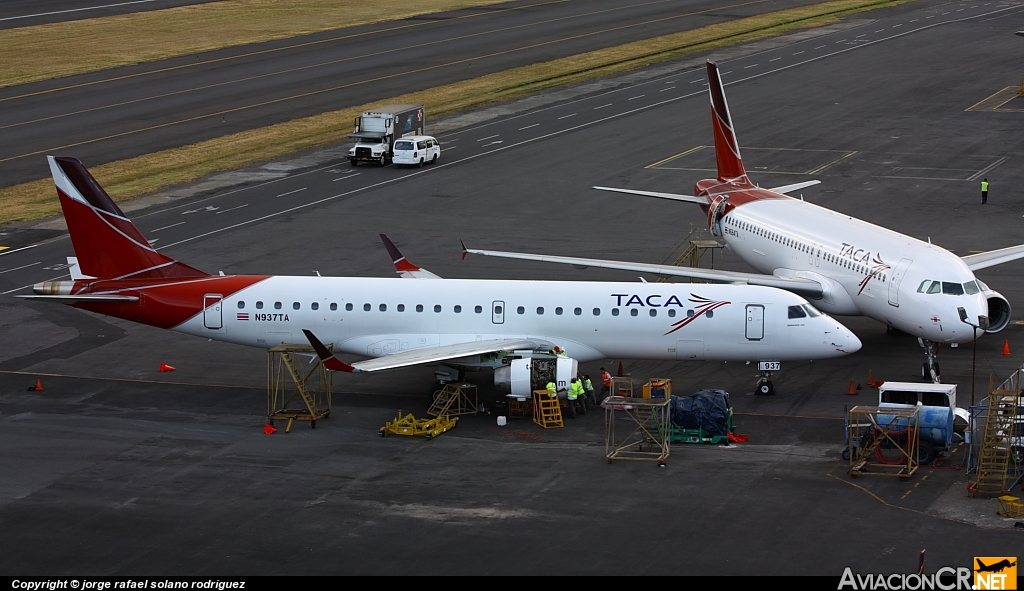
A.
pixel 11 18
pixel 636 97
pixel 664 89
pixel 602 106
pixel 21 267
pixel 529 126
pixel 567 116
pixel 291 192
pixel 488 137
pixel 233 208
pixel 17 249
pixel 348 176
pixel 165 227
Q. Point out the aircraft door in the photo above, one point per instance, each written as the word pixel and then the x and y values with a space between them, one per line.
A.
pixel 689 349
pixel 755 322
pixel 498 312
pixel 895 279
pixel 212 317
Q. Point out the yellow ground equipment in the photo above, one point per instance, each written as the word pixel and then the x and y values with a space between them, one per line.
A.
pixel 658 389
pixel 1010 506
pixel 410 425
pixel 996 447
pixel 883 441
pixel 455 399
pixel 288 377
pixel 546 411
pixel 649 428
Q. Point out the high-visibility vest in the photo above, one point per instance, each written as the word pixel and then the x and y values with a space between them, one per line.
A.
pixel 606 379
pixel 984 186
pixel 589 387
pixel 575 390
pixel 552 387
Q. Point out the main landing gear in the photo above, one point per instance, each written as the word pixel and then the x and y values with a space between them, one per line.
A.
pixel 930 368
pixel 764 384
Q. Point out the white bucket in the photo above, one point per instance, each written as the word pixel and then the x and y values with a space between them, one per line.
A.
pixel 501 421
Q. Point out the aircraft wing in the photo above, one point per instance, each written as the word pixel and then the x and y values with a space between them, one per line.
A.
pixel 672 196
pixel 794 187
pixel 992 258
pixel 71 299
pixel 419 356
pixel 802 286
pixel 404 266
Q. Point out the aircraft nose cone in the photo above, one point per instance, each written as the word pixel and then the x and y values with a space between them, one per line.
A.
pixel 853 343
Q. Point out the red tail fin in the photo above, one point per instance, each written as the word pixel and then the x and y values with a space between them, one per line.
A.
pixel 107 244
pixel 727 148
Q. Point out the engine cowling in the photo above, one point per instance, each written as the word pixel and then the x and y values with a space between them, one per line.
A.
pixel 998 310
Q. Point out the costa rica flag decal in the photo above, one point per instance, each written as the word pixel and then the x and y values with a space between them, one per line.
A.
pixel 243 316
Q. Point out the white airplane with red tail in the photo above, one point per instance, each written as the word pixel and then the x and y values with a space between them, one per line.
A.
pixel 844 265
pixel 460 323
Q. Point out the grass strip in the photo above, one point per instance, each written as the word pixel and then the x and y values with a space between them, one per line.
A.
pixel 61 49
pixel 145 174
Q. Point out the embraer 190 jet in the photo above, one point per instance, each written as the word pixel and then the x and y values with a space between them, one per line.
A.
pixel 465 324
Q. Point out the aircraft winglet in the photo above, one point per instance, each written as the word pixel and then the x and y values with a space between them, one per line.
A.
pixel 465 251
pixel 329 360
pixel 404 266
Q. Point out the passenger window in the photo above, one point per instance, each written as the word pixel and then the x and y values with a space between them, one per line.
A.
pixel 615 311
pixel 797 312
pixel 689 313
pixel 458 309
pixel 497 309
pixel 936 287
pixel 401 307
pixel 520 310
pixel 952 288
pixel 710 314
pixel 366 307
pixel 597 311
pixel 653 312
pixel 277 305
pixel 259 305
pixel 671 313
pixel 480 309
pixel 295 306
pixel 421 145
pixel 419 307
pixel 334 306
pixel 633 312
pixel 348 307
pixel 540 310
pixel 241 305
pixel 383 307
pixel 558 311
pixel 314 306
pixel 578 311
pixel 437 308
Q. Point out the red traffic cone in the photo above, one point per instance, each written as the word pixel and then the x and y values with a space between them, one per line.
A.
pixel 853 387
pixel 38 387
pixel 165 367
pixel 1006 347
pixel 620 370
pixel 269 429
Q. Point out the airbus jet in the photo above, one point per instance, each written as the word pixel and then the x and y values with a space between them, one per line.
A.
pixel 422 319
pixel 846 266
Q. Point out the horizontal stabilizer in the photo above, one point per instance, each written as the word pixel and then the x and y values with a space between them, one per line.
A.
pixel 992 258
pixel 71 299
pixel 785 189
pixel 672 196
pixel 806 287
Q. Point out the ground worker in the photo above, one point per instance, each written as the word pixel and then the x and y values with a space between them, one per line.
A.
pixel 559 351
pixel 588 386
pixel 984 191
pixel 552 388
pixel 606 385
pixel 573 393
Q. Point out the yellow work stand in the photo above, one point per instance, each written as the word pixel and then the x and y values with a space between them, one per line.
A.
pixel 546 411
pixel 1010 506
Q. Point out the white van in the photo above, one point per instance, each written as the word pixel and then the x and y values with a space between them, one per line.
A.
pixel 416 149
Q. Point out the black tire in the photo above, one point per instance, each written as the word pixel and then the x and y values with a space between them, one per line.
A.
pixel 846 454
pixel 435 390
pixel 925 453
pixel 765 388
pixel 419 164
pixel 434 159
pixel 353 161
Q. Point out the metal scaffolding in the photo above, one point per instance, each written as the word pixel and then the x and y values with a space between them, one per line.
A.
pixel 648 426
pixel 288 382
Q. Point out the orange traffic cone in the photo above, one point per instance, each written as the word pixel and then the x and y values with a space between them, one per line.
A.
pixel 620 370
pixel 1006 347
pixel 853 387
pixel 269 429
pixel 165 367
pixel 38 387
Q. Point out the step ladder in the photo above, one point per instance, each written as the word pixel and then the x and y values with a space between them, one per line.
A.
pixel 546 411
pixel 454 400
pixel 995 446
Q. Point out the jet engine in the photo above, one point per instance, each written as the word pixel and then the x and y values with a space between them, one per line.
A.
pixel 998 310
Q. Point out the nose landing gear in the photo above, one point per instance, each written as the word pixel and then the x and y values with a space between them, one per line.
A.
pixel 764 384
pixel 930 368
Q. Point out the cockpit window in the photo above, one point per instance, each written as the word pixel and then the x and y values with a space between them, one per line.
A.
pixel 971 288
pixel 797 312
pixel 811 311
pixel 924 285
pixel 936 287
pixel 950 288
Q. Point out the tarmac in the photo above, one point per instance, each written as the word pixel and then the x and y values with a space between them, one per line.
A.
pixel 116 468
